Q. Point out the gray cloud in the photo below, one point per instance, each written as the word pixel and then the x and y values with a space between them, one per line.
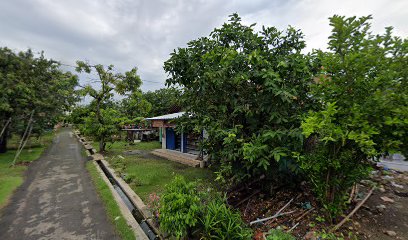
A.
pixel 130 33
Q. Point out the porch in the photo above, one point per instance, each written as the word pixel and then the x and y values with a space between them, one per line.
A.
pixel 176 156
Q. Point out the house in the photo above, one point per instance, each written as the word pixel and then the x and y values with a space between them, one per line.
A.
pixel 182 147
pixel 139 132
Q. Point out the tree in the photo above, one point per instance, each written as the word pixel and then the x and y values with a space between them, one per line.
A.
pixel 24 78
pixel 362 87
pixel 163 101
pixel 78 114
pixel 248 90
pixel 110 82
pixel 135 105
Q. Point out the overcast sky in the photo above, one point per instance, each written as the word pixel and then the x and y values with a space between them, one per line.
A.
pixel 143 33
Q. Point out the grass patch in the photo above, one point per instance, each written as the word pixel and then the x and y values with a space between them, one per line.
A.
pixel 148 175
pixel 12 177
pixel 111 206
pixel 33 142
pixel 119 146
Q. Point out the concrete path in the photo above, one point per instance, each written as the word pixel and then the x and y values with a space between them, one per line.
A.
pixel 57 199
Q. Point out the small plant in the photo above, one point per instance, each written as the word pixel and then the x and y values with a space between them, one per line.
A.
pixel 329 236
pixel 129 178
pixel 320 219
pixel 221 222
pixel 153 203
pixel 277 234
pixel 179 208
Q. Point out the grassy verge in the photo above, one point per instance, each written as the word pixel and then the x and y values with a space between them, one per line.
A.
pixel 119 146
pixel 146 173
pixel 12 177
pixel 112 208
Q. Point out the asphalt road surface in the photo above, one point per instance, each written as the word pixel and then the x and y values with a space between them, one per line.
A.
pixel 57 199
pixel 400 165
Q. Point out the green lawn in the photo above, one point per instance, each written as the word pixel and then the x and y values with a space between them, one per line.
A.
pixel 112 208
pixel 119 146
pixel 146 173
pixel 12 177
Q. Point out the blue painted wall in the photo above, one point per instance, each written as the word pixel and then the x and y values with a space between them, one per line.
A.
pixel 170 139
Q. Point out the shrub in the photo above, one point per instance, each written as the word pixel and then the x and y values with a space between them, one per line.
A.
pixel 180 208
pixel 221 222
pixel 247 89
pixel 153 203
pixel 362 90
pixel 184 209
pixel 277 234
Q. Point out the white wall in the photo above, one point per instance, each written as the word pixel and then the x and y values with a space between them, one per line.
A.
pixel 163 138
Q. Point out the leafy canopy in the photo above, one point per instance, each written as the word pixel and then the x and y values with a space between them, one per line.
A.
pixel 362 90
pixel 31 82
pixel 247 89
pixel 103 121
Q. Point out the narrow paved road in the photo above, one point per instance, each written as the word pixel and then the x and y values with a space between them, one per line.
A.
pixel 57 199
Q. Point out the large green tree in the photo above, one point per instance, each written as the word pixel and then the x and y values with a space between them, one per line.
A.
pixel 135 105
pixel 363 90
pixel 247 89
pixel 163 101
pixel 100 122
pixel 31 82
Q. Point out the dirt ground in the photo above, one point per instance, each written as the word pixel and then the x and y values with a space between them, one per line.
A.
pixel 377 219
pixel 373 220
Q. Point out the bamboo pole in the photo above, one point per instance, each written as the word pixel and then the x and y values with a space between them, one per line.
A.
pixel 24 139
pixel 277 214
pixel 354 211
pixel 5 127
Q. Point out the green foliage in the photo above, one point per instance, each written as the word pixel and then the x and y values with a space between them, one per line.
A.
pixel 364 105
pixel 247 89
pixel 78 114
pixel 221 222
pixel 185 209
pixel 180 208
pixel 100 124
pixel 277 234
pixel 135 105
pixel 103 128
pixel 30 82
pixel 163 101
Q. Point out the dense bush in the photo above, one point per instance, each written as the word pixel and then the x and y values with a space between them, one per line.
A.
pixel 247 89
pixel 221 222
pixel 179 208
pixel 363 92
pixel 184 210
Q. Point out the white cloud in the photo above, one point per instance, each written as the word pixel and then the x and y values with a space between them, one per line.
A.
pixel 143 33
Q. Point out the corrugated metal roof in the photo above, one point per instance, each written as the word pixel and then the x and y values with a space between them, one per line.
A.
pixel 167 116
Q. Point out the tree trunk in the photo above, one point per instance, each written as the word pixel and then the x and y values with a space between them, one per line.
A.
pixel 102 145
pixel 3 142
pixel 99 118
